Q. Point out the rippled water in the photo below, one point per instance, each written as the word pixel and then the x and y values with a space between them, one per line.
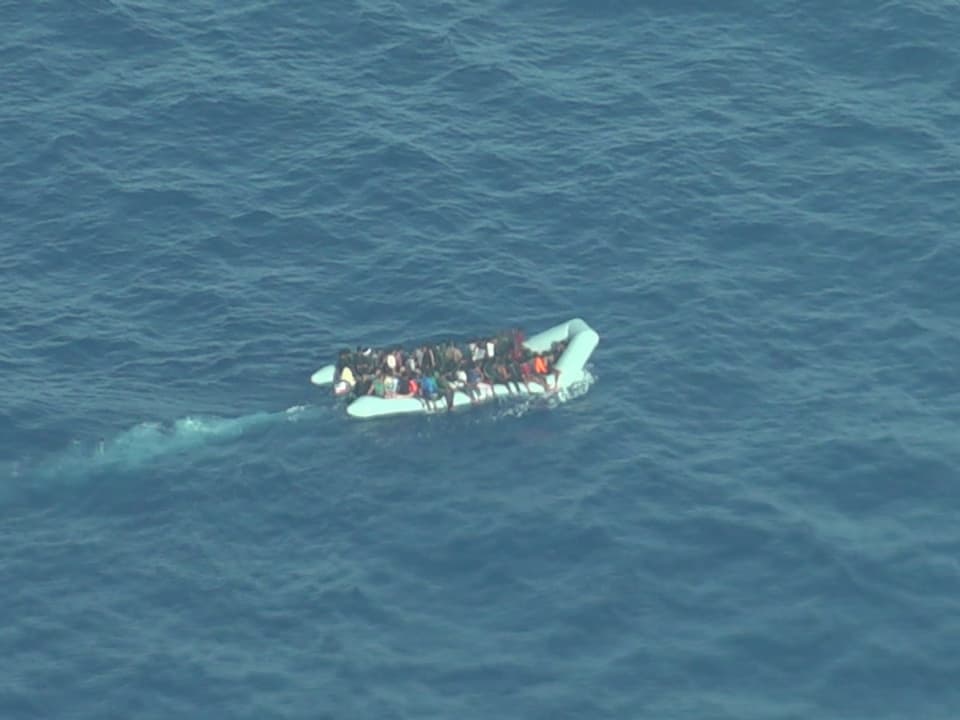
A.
pixel 751 512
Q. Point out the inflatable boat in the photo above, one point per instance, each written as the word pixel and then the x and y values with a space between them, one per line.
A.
pixel 581 341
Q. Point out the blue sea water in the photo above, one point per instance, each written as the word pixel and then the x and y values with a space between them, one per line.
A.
pixel 752 512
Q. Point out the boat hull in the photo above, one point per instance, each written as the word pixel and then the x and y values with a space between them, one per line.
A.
pixel 582 340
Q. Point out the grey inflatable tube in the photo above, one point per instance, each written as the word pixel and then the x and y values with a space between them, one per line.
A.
pixel 583 340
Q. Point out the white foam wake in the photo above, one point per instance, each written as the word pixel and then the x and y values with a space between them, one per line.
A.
pixel 151 440
pixel 519 406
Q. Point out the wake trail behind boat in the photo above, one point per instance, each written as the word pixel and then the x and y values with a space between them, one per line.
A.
pixel 150 441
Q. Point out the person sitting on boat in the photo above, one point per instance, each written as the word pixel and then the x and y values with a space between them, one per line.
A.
pixel 377 385
pixel 390 383
pixel 488 366
pixel 344 357
pixel 552 368
pixel 517 349
pixel 537 370
pixel 413 386
pixel 364 383
pixel 448 357
pixel 343 374
pixel 527 374
pixel 429 390
pixel 460 380
pixel 474 376
pixel 447 383
pixel 426 359
pixel 365 362
pixel 505 372
pixel 476 350
pixel 499 345
pixel 347 381
pixel 403 383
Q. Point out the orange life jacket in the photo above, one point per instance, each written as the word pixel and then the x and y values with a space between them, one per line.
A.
pixel 540 365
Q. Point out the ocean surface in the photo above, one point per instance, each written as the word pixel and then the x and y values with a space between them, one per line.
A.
pixel 752 511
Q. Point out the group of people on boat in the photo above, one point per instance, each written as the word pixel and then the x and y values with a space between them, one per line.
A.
pixel 434 371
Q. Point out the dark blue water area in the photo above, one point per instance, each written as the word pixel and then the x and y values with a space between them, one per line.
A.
pixel 749 511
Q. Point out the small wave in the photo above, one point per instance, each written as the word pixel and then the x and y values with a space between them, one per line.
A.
pixel 295 412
